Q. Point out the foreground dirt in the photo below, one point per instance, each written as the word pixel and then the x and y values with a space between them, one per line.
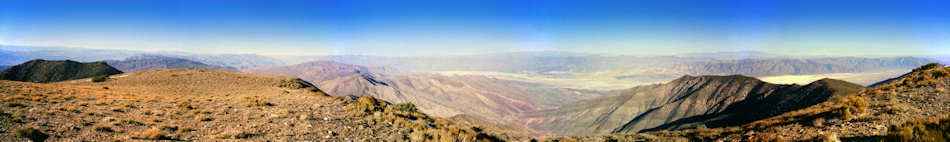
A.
pixel 205 105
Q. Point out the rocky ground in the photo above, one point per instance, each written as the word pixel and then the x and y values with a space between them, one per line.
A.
pixel 204 105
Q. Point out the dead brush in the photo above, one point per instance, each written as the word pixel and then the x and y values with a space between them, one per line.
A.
pixel 256 101
pixel 153 134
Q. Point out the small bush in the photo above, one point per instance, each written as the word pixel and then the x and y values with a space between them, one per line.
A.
pixel 32 134
pixel 256 101
pixel 100 78
pixel 928 67
pixel 701 127
pixel 406 107
pixel 818 122
pixel 852 105
pixel 365 105
pixel 941 73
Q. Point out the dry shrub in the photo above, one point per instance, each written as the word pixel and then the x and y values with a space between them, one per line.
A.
pixel 941 73
pixel 851 105
pixel 830 137
pixel 818 122
pixel 257 101
pixel 928 67
pixel 153 134
pixel 365 105
pixel 767 137
pixel 921 130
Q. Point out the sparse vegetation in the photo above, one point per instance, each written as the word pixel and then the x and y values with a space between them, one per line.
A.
pixel 849 107
pixel 134 113
pixel 921 130
pixel 257 101
pixel 928 67
pixel 32 134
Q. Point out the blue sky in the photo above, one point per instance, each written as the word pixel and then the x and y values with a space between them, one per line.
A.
pixel 434 27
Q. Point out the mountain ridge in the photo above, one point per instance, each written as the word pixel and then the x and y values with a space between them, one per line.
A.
pixel 152 62
pixel 44 71
pixel 652 106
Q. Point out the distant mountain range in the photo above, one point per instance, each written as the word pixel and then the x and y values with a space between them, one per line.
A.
pixel 646 107
pixel 440 95
pixel 24 53
pixel 44 71
pixel 152 62
pixel 769 67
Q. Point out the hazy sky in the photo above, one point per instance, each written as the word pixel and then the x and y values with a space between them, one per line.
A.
pixel 437 27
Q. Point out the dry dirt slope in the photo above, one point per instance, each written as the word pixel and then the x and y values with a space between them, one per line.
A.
pixel 207 105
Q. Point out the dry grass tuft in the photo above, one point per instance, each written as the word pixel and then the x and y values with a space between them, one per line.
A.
pixel 921 130
pixel 257 101
pixel 152 134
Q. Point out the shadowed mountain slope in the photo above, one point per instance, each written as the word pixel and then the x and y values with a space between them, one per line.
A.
pixel 44 71
pixel 761 106
pixel 153 62
pixel 650 106
pixel 867 115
